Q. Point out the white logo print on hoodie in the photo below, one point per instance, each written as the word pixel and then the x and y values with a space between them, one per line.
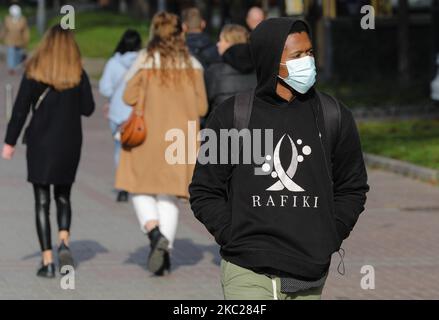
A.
pixel 285 177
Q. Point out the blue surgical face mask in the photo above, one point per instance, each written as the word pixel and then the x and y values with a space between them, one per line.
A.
pixel 301 74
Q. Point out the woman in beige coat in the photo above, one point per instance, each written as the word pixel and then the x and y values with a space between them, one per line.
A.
pixel 175 98
pixel 15 35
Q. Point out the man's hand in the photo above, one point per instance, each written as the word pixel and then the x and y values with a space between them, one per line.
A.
pixel 8 152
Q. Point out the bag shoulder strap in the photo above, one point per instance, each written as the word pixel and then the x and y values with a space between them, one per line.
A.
pixel 242 109
pixel 139 107
pixel 41 98
pixel 332 119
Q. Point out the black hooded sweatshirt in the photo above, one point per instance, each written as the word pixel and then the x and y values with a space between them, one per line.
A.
pixel 289 222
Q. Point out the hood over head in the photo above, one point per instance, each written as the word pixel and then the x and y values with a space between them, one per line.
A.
pixel 267 42
pixel 238 56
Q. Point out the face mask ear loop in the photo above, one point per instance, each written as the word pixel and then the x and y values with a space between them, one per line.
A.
pixel 341 253
pixel 278 76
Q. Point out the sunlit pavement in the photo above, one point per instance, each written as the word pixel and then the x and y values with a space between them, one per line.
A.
pixel 397 235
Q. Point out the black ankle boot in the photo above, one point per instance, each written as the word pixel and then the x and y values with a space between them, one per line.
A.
pixel 64 258
pixel 46 271
pixel 166 267
pixel 122 196
pixel 159 249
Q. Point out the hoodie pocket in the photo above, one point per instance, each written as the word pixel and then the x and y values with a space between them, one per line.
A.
pixel 224 236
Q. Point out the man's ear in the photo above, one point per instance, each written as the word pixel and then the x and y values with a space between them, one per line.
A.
pixel 203 24
pixel 184 27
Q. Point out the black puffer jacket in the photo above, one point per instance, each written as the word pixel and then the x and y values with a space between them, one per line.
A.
pixel 234 74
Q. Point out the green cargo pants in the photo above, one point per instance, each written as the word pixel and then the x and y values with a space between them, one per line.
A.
pixel 242 284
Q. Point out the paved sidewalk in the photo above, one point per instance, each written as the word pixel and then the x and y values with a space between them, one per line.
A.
pixel 397 234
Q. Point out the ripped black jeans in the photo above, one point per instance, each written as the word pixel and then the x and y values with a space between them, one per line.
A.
pixel 42 211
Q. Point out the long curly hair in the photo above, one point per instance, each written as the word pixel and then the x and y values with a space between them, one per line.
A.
pixel 167 40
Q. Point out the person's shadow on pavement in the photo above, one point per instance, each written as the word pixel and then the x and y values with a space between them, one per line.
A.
pixel 184 253
pixel 82 250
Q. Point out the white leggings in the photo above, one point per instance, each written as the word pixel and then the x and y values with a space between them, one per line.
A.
pixel 162 208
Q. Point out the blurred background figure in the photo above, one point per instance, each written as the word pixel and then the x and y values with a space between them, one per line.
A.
pixel 171 82
pixel 199 43
pixel 15 35
pixel 112 86
pixel 254 17
pixel 54 77
pixel 235 73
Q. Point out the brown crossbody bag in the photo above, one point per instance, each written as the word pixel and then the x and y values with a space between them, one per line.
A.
pixel 133 131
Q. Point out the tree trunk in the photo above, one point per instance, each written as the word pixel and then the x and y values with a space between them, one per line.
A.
pixel 265 5
pixel 435 19
pixel 41 16
pixel 435 41
pixel 208 15
pixel 122 6
pixel 161 5
pixel 224 7
pixel 141 8
pixel 56 5
pixel 403 42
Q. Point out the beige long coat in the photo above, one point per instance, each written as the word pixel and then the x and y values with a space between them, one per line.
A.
pixel 144 169
pixel 15 33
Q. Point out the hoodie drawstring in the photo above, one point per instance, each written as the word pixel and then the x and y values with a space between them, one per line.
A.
pixel 342 254
pixel 273 281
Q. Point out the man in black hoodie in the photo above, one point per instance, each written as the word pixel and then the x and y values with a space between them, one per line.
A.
pixel 277 231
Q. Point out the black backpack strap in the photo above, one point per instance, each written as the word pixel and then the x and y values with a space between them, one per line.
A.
pixel 242 109
pixel 332 119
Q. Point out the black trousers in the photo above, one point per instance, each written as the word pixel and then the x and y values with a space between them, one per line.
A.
pixel 42 211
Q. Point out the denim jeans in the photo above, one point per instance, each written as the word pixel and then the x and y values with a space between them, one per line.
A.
pixel 14 57
pixel 117 145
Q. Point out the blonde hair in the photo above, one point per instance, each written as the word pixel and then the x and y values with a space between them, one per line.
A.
pixel 235 34
pixel 57 60
pixel 167 40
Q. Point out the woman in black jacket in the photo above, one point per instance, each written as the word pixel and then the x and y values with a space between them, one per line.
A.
pixel 58 91
pixel 236 72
